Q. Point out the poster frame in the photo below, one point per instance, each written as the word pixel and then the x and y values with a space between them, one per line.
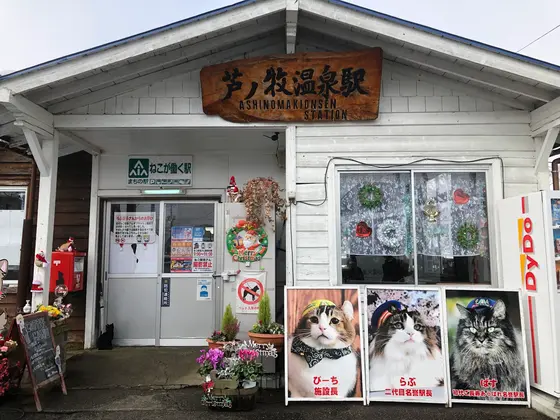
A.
pixel 520 294
pixel 287 400
pixel 444 347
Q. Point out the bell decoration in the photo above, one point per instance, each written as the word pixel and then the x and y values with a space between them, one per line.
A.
pixel 431 211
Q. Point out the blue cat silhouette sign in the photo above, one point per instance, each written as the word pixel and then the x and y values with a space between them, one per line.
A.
pixel 487 350
pixel 405 360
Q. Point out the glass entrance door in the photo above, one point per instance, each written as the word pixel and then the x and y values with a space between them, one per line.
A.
pixel 160 261
pixel 188 290
pixel 132 249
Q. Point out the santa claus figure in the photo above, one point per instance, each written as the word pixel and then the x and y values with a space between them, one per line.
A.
pixel 250 240
pixel 233 193
pixel 39 275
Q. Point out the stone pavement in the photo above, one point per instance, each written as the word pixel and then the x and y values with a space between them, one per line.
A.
pixel 152 384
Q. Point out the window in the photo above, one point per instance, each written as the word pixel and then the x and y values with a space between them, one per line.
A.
pixel 414 227
pixel 12 215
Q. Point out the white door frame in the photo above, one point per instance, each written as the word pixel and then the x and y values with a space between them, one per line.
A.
pixel 219 244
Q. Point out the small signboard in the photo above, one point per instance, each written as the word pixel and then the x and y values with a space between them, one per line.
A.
pixel 204 289
pixel 160 171
pixel 250 290
pixel 165 292
pixel 307 87
pixel 42 357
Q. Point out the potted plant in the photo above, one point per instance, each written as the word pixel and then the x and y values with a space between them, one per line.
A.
pixel 9 369
pixel 261 196
pixel 230 328
pixel 265 331
pixel 230 376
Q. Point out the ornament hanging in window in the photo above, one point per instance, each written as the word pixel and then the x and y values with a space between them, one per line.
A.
pixel 431 211
pixel 460 197
pixel 363 230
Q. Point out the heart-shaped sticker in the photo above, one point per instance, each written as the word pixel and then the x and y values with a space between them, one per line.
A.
pixel 363 230
pixel 460 196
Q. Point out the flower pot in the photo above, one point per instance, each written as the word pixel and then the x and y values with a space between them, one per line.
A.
pixel 232 383
pixel 215 344
pixel 241 399
pixel 249 384
pixel 277 340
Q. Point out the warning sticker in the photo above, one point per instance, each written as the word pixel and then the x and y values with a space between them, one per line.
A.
pixel 250 289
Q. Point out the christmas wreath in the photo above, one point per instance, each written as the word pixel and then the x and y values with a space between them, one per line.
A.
pixel 390 233
pixel 467 236
pixel 370 196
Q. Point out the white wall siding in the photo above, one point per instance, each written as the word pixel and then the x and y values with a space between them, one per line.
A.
pixel 401 137
pixel 399 94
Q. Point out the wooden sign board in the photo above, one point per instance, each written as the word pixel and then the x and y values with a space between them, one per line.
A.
pixel 304 87
pixel 34 335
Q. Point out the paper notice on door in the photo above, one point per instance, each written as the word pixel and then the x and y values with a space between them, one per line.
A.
pixel 203 250
pixel 181 249
pixel 204 289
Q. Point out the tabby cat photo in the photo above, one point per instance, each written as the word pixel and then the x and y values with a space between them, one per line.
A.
pixel 324 353
pixel 405 359
pixel 487 356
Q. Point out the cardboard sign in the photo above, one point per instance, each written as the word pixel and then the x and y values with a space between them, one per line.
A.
pixel 496 369
pixel 34 334
pixel 309 87
pixel 399 323
pixel 324 350
pixel 250 290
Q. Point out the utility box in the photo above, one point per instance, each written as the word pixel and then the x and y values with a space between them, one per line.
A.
pixel 67 268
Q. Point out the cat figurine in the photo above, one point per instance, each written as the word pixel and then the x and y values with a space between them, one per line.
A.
pixel 487 346
pixel 321 349
pixel 105 340
pixel 403 346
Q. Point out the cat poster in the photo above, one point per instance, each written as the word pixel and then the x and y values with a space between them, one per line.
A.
pixel 405 356
pixel 324 353
pixel 487 351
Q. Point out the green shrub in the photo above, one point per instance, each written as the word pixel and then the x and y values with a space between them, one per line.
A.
pixel 230 324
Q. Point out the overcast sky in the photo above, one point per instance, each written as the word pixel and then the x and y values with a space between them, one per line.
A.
pixel 35 31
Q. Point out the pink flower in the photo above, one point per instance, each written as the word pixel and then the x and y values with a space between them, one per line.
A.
pixel 4 349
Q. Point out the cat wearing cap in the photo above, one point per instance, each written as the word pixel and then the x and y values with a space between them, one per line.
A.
pixel 487 346
pixel 403 347
pixel 321 347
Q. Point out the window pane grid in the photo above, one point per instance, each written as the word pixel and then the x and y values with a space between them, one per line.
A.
pixel 376 251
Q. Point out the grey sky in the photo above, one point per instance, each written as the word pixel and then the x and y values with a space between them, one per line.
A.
pixel 35 31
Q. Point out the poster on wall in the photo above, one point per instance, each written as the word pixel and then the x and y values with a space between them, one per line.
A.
pixel 406 361
pixel 324 355
pixel 203 250
pixel 181 249
pixel 135 228
pixel 204 289
pixel 487 353
pixel 250 290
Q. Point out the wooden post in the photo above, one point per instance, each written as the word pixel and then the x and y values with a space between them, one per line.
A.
pixel 26 256
pixel 45 212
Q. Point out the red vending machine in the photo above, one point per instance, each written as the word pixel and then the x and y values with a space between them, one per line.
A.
pixel 67 268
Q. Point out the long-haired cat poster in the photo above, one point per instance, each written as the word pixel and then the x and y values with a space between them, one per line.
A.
pixel 323 344
pixel 487 351
pixel 405 358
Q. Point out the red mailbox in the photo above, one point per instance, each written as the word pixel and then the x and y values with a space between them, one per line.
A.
pixel 67 268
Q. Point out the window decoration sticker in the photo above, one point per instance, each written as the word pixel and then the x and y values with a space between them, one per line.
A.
pixel 247 242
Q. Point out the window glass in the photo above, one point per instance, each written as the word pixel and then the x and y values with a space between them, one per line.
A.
pixel 189 238
pixel 12 215
pixel 376 228
pixel 383 224
pixel 451 227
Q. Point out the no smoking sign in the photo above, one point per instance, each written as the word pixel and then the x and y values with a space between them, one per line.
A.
pixel 249 293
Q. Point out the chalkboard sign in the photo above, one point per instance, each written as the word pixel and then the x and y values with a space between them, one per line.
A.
pixel 35 334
